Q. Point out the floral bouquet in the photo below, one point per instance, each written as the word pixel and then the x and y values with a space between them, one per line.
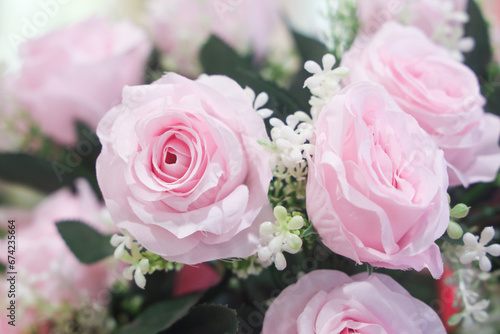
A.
pixel 254 167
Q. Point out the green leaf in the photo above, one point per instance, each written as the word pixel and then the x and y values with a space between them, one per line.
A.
pixel 88 147
pixel 207 319
pixel 309 49
pixel 154 69
pixel 479 58
pixel 160 316
pixel 85 242
pixel 218 58
pixel 34 172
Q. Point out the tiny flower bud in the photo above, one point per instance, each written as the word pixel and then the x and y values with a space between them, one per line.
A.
pixel 459 211
pixel 454 230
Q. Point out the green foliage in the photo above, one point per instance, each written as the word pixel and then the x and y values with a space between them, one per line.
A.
pixel 53 166
pixel 160 316
pixel 88 245
pixel 207 319
pixel 31 171
pixel 218 58
pixel 480 57
pixel 309 49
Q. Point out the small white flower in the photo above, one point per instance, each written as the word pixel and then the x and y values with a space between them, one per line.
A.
pixel 476 250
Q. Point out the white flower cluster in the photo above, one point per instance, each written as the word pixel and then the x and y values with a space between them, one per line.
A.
pixel 141 261
pixel 138 265
pixel 450 31
pixel 290 145
pixel 278 237
pixel 324 83
pixel 467 278
pixel 473 309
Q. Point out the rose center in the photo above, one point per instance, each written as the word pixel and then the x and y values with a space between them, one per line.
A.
pixel 170 158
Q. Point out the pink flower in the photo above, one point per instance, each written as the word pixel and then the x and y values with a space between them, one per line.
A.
pixel 424 14
pixel 329 301
pixel 181 27
pixel 181 168
pixel 47 270
pixel 442 94
pixel 376 189
pixel 78 73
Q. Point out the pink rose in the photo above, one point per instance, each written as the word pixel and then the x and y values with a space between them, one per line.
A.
pixel 48 272
pixel 424 14
pixel 181 27
pixel 376 189
pixel 442 94
pixel 181 168
pixel 329 301
pixel 78 73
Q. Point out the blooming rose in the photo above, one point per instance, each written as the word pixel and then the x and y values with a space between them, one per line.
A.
pixel 376 189
pixel 181 168
pixel 442 94
pixel 48 272
pixel 78 73
pixel 329 301
pixel 181 27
